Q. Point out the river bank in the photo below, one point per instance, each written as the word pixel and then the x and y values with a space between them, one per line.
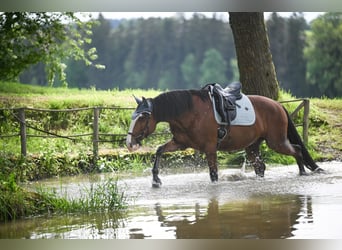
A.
pixel 57 157
pixel 50 156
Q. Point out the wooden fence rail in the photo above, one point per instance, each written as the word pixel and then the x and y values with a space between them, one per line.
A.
pixel 304 103
pixel 19 114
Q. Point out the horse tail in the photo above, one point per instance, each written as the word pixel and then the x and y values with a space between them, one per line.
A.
pixel 294 138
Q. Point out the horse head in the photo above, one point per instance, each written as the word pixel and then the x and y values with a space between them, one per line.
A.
pixel 142 123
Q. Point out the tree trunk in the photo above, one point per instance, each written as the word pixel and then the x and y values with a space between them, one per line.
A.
pixel 257 73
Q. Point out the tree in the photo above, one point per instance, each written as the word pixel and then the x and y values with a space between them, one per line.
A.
pixel 257 73
pixel 101 40
pixel 296 70
pixel 323 54
pixel 190 71
pixel 148 53
pixel 277 28
pixel 213 67
pixel 287 40
pixel 28 38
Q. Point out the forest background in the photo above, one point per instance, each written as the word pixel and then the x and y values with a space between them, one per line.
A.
pixel 180 53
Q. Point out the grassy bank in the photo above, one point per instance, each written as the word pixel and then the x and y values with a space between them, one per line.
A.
pixel 16 202
pixel 58 156
pixel 54 156
pixel 14 94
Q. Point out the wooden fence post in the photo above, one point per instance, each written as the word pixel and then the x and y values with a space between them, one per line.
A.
pixel 22 131
pixel 96 133
pixel 306 121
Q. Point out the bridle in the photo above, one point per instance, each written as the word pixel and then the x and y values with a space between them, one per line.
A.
pixel 144 109
pixel 145 131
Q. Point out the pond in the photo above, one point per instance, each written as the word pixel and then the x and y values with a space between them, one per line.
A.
pixel 187 206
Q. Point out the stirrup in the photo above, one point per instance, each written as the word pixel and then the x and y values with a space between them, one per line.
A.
pixel 221 134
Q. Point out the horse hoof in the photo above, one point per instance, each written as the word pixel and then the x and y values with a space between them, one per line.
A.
pixel 156 184
pixel 303 173
pixel 319 170
pixel 261 175
pixel 213 176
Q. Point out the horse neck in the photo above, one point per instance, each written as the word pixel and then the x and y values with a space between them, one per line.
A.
pixel 172 105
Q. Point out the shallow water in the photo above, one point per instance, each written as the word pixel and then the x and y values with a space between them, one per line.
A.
pixel 240 205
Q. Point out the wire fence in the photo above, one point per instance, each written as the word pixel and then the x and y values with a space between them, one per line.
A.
pixel 24 123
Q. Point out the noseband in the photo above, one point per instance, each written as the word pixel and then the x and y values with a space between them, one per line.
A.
pixel 144 109
pixel 143 134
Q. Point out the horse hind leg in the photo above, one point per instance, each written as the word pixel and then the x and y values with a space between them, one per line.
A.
pixel 253 156
pixel 286 148
pixel 299 158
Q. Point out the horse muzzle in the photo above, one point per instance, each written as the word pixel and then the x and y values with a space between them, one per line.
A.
pixel 131 143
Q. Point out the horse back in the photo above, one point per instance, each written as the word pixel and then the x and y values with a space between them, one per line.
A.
pixel 271 117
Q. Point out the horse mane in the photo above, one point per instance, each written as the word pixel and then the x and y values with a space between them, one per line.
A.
pixel 172 104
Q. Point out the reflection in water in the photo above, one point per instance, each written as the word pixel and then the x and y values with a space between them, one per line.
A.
pixel 282 205
pixel 305 214
pixel 267 217
pixel 85 226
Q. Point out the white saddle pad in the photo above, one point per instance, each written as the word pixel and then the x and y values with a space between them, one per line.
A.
pixel 245 114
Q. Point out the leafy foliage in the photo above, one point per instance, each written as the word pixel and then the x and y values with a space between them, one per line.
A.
pixel 189 70
pixel 148 53
pixel 324 54
pixel 213 67
pixel 307 56
pixel 287 40
pixel 28 38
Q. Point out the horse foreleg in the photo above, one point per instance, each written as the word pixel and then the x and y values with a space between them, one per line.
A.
pixel 156 182
pixel 167 147
pixel 212 162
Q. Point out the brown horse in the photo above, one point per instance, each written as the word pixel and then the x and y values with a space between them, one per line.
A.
pixel 193 125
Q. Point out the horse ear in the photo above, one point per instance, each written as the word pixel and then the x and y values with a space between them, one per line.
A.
pixel 137 99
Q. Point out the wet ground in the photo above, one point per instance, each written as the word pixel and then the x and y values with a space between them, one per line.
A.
pixel 280 205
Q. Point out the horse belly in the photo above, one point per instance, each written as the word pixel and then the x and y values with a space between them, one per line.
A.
pixel 239 138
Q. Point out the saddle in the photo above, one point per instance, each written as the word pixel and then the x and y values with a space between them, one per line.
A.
pixel 224 100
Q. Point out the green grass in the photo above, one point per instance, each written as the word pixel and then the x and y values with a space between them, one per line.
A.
pixel 100 197
pixel 16 202
pixel 55 156
pixel 49 157
pixel 14 94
